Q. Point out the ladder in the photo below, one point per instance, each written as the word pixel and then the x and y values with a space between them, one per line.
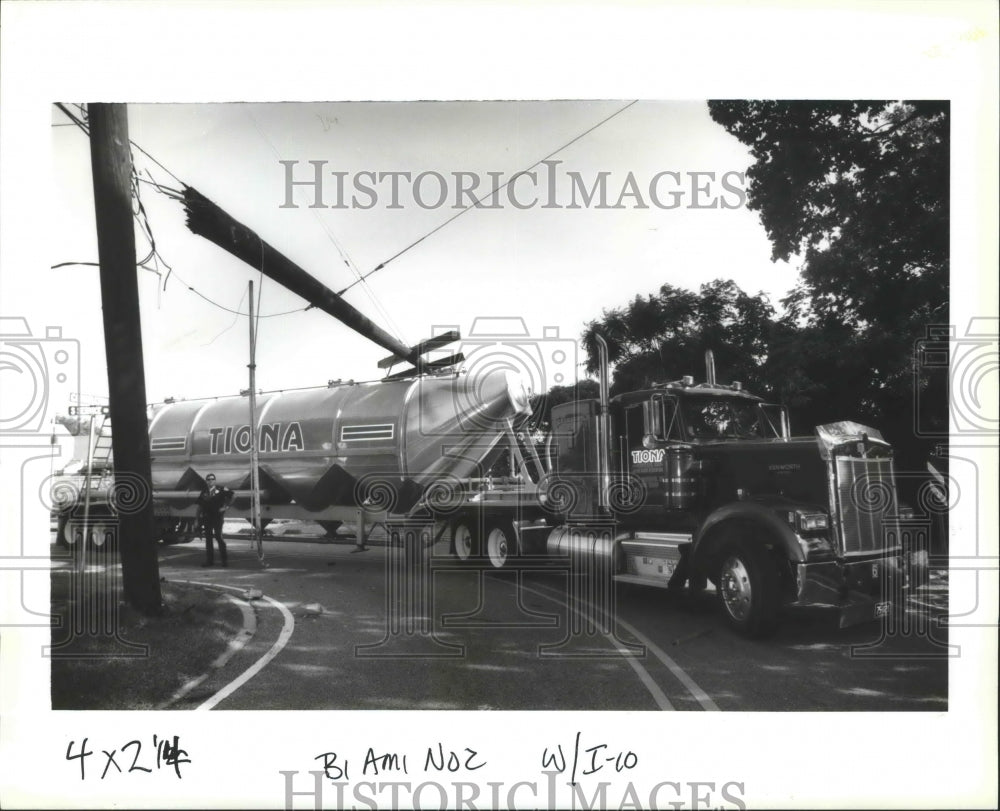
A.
pixel 100 451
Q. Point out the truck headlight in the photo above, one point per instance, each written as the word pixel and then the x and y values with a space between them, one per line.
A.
pixel 811 522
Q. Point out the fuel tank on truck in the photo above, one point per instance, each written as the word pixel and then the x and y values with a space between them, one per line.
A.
pixel 316 445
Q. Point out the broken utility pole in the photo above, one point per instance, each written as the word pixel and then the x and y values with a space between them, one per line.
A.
pixel 111 163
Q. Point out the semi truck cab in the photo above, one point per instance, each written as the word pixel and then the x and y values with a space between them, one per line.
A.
pixel 705 484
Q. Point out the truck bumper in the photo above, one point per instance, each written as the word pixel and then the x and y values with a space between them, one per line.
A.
pixel 860 590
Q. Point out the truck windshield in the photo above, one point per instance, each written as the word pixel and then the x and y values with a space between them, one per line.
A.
pixel 722 419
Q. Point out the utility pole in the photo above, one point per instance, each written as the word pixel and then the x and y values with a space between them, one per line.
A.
pixel 254 458
pixel 111 163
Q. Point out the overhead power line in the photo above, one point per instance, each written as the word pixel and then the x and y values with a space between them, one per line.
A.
pixel 477 200
pixel 139 213
pixel 345 258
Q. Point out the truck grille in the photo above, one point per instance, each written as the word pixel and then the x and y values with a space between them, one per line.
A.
pixel 865 493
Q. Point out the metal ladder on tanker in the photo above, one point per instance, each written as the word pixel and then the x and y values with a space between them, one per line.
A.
pixel 100 450
pixel 99 455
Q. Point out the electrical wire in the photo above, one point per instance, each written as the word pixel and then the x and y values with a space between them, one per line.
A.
pixel 138 210
pixel 237 312
pixel 478 200
pixel 232 324
pixel 139 213
pixel 271 391
pixel 194 290
pixel 345 258
pixel 156 257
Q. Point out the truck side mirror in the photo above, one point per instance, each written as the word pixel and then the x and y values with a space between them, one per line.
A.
pixel 775 419
pixel 661 414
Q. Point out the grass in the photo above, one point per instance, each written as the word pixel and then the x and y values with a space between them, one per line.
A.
pixel 108 656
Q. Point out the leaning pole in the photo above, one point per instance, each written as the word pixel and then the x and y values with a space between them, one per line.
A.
pixel 111 163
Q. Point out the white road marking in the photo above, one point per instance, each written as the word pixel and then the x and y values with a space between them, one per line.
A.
pixel 680 674
pixel 260 664
pixel 647 680
pixel 236 645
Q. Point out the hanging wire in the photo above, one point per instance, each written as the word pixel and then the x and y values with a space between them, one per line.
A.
pixel 236 317
pixel 198 293
pixel 236 312
pixel 167 191
pixel 157 258
pixel 376 302
pixel 477 200
pixel 67 264
pixel 141 217
pixel 139 213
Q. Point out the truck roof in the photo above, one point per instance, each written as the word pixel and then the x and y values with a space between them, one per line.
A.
pixel 693 390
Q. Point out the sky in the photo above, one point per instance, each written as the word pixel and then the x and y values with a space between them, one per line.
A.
pixel 548 269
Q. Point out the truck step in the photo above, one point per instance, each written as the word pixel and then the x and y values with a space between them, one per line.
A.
pixel 666 538
pixel 655 545
pixel 638 579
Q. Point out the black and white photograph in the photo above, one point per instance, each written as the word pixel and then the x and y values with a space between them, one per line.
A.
pixel 392 423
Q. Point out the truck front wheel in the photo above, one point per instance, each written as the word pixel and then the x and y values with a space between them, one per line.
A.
pixel 748 588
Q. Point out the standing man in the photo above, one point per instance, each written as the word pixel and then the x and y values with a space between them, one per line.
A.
pixel 212 505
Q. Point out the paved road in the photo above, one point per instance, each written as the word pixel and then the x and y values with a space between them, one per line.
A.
pixel 462 639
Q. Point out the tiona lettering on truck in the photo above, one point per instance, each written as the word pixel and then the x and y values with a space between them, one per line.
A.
pixel 270 437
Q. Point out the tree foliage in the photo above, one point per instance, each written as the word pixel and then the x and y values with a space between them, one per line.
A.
pixel 859 190
pixel 857 193
pixel 663 336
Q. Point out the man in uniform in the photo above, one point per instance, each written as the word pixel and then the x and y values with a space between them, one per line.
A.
pixel 212 505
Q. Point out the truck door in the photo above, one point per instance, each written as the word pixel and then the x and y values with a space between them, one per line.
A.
pixel 647 433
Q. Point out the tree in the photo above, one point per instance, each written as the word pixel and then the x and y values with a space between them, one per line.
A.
pixel 859 191
pixel 664 335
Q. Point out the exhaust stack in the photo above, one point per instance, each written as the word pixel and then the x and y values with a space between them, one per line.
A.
pixel 709 367
pixel 603 428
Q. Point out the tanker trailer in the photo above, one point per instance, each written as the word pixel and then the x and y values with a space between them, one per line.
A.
pixel 357 452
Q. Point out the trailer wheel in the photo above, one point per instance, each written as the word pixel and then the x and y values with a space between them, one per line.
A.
pixel 501 544
pixel 464 541
pixel 101 536
pixel 748 588
pixel 62 521
pixel 72 534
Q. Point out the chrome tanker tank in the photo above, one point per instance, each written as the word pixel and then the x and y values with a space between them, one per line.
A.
pixel 320 447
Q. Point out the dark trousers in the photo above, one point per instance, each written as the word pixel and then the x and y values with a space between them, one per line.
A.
pixel 213 528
